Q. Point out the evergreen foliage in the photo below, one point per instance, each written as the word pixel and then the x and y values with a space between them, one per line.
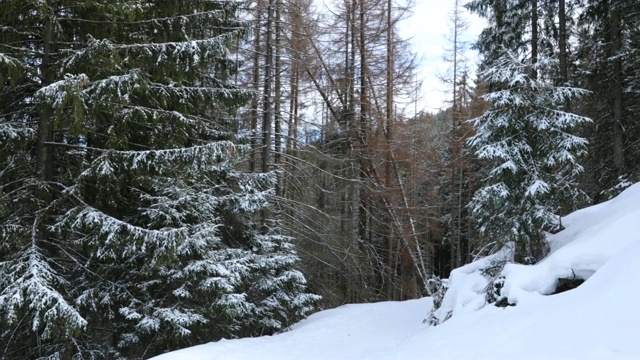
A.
pixel 126 229
pixel 509 20
pixel 607 51
pixel 526 138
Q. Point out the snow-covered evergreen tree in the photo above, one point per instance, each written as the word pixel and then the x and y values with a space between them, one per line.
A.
pixel 128 229
pixel 526 138
pixel 509 22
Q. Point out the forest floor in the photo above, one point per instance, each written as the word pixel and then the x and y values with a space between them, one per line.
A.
pixel 599 319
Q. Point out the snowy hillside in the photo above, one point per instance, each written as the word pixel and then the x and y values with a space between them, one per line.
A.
pixel 600 319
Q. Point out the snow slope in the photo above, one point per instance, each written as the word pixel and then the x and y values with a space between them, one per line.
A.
pixel 598 320
pixel 348 332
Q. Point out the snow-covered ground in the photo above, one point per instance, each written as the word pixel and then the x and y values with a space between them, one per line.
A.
pixel 598 320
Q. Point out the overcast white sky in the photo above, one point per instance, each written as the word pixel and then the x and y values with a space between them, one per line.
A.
pixel 428 29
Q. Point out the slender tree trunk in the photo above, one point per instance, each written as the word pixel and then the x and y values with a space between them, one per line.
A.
pixel 534 36
pixel 44 160
pixel 347 68
pixel 455 59
pixel 455 154
pixel 562 41
pixel 352 67
pixel 277 154
pixel 389 97
pixel 256 86
pixel 388 142
pixel 616 83
pixel 44 155
pixel 459 247
pixel 292 118
pixel 293 102
pixel 267 103
pixel 455 166
pixel 268 79
pixel 362 131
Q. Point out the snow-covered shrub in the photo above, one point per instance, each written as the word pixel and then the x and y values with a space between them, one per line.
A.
pixel 436 288
pixel 622 183
pixel 493 273
pixel 468 286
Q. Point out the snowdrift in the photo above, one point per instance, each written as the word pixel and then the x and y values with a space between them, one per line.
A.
pixel 600 319
pixel 592 236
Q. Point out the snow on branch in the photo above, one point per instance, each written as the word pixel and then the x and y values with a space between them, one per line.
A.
pixel 116 238
pixel 29 281
pixel 10 131
pixel 256 189
pixel 202 124
pixel 203 93
pixel 172 204
pixel 195 158
pixel 179 319
pixel 10 62
pixel 187 53
pixel 117 88
pixel 63 92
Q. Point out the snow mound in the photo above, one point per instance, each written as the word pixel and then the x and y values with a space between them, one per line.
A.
pixel 592 236
pixel 597 320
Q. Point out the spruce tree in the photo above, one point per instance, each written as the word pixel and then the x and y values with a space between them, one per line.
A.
pixel 533 157
pixel 127 229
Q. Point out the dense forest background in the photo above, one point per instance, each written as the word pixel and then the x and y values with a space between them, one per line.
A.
pixel 172 173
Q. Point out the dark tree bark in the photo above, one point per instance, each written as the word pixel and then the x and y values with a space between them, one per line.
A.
pixel 562 41
pixel 277 154
pixel 389 236
pixel 267 115
pixel 44 160
pixel 616 85
pixel 362 131
pixel 534 36
pixel 256 86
